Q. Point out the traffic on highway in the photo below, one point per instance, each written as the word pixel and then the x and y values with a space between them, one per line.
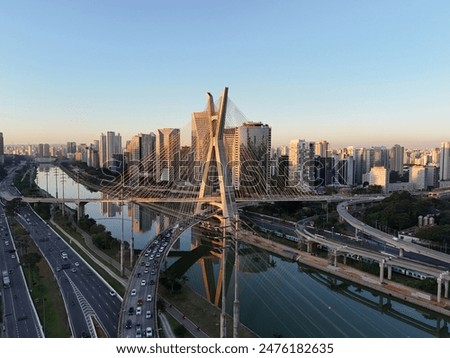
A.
pixel 20 319
pixel 86 295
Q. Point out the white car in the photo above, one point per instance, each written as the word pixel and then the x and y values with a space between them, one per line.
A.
pixel 77 264
pixel 138 331
pixel 138 311
pixel 148 314
pixel 149 298
pixel 143 283
pixel 133 292
pixel 149 332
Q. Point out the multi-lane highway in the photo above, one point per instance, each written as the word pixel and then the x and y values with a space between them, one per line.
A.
pixel 402 245
pixel 140 303
pixel 20 319
pixel 88 298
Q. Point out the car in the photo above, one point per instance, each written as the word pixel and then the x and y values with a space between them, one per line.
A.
pixel 148 314
pixel 152 282
pixel 13 256
pixel 77 263
pixel 112 293
pixel 149 298
pixel 140 302
pixel 138 331
pixel 153 272
pixel 58 268
pixel 149 332
pixel 130 311
pixel 138 274
pixel 146 271
pixel 133 292
pixel 74 269
pixel 143 283
pixel 6 243
pixel 128 324
pixel 138 311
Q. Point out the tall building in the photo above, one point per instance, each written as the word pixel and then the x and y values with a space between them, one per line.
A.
pixel 345 171
pixel 379 175
pixel 444 163
pixel 71 147
pixel 417 176
pixel 109 146
pixel 200 135
pixel 301 160
pixel 167 154
pixel 375 157
pixel 140 154
pixel 322 149
pixel 251 158
pixel 43 150
pixel 396 154
pixel 2 150
pixel 358 157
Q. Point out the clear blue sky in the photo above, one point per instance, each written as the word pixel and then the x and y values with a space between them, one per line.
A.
pixel 351 72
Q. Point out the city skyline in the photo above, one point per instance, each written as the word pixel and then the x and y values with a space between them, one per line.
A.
pixel 354 74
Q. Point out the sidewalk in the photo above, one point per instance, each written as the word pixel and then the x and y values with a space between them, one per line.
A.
pixel 88 240
pixel 183 320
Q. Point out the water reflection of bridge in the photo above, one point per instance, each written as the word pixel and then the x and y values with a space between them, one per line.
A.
pixel 384 304
pixel 207 251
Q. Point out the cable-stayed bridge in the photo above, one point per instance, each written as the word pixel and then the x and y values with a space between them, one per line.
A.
pixel 221 171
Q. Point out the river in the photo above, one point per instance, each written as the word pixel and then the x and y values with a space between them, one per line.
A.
pixel 277 297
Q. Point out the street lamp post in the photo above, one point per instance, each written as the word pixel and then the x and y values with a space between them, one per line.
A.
pixel 236 277
pixel 223 315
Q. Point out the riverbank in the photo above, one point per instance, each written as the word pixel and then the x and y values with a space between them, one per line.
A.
pixel 388 288
pixel 202 313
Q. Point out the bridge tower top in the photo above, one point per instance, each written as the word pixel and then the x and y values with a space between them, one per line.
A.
pixel 215 167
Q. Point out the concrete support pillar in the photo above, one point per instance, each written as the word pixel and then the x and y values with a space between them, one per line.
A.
pixel 401 253
pixel 335 258
pixel 80 210
pixel 356 233
pixel 439 289
pixel 131 251
pixel 309 246
pixel 446 289
pixel 345 259
pixel 389 272
pixel 382 271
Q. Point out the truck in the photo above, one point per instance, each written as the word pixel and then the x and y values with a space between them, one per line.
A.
pixel 5 279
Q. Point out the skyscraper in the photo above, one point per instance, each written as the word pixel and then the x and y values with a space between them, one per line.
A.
pixel 321 149
pixel 200 135
pixel 140 153
pixel 167 154
pixel 301 161
pixel 379 175
pixel 396 154
pixel 2 150
pixel 109 145
pixel 252 145
pixel 444 163
pixel 71 147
